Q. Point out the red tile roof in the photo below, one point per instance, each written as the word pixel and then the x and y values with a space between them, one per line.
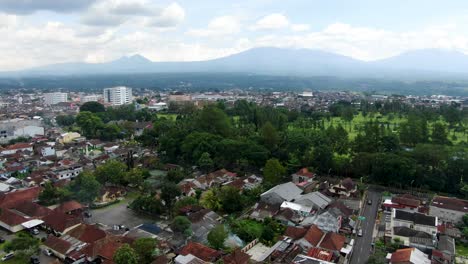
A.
pixel 18 146
pixel 33 209
pixel 87 233
pixel 450 203
pixel 11 199
pixel 200 251
pixel 321 254
pixel 57 244
pixel 295 232
pixel 237 257
pixel 406 201
pixel 305 172
pixel 69 206
pixel 11 218
pixel 313 235
pixel 333 241
pixel 106 247
pixel 59 221
pixel 401 255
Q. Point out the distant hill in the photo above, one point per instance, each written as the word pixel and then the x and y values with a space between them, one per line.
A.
pixel 277 61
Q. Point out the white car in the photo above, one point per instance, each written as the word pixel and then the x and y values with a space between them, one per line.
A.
pixel 8 256
pixel 47 252
pixel 359 233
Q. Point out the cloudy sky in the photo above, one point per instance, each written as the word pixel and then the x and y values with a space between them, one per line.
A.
pixel 39 32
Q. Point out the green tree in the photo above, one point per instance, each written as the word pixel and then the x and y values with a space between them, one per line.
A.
pixel 52 195
pixel 65 120
pixel 209 199
pixel 93 107
pixel 181 203
pixel 205 162
pixel 439 134
pixel 112 171
pixel 273 172
pixel 125 255
pixel 230 199
pixel 175 176
pixel 213 120
pixel 85 188
pixel 89 123
pixel 135 177
pixel 22 242
pixel 269 136
pixel 169 191
pixel 182 224
pixel 217 236
pixel 145 248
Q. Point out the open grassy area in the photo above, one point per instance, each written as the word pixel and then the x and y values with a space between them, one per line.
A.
pixel 461 250
pixel 168 116
pixel 392 120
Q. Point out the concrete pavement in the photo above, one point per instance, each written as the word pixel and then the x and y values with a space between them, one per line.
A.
pixel 362 247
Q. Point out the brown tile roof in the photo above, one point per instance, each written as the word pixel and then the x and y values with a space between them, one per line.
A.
pixel 18 146
pixel 401 255
pixel 406 201
pixel 57 244
pixel 200 251
pixel 333 241
pixel 313 235
pixel 450 203
pixel 295 232
pixel 11 218
pixel 87 233
pixel 33 209
pixel 11 199
pixel 321 254
pixel 106 247
pixel 348 183
pixel 237 257
pixel 342 207
pixel 69 206
pixel 305 172
pixel 59 221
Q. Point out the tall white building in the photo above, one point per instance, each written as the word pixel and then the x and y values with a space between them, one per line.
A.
pixel 55 98
pixel 120 95
pixel 90 98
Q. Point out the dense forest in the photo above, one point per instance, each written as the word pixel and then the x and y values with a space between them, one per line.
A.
pixel 386 143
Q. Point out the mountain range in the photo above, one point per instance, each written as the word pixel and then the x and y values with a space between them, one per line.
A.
pixel 276 61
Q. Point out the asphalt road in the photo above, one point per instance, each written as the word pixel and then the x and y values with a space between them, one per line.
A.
pixel 117 214
pixel 362 247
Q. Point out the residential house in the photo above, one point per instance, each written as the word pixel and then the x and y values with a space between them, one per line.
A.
pixel 303 175
pixel 316 200
pixel 409 256
pixel 448 209
pixel 202 222
pixel 416 221
pixel 200 251
pixel 12 149
pixel 262 210
pixel 236 257
pixel 68 137
pixel 346 188
pixel 405 202
pixel 280 193
pixel 110 194
pixel 327 221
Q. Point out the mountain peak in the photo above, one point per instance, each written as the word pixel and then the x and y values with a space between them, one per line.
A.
pixel 137 58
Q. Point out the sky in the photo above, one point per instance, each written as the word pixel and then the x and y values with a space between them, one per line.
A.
pixel 41 32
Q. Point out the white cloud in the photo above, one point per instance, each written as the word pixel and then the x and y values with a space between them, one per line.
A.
pixel 300 27
pixel 169 17
pixel 224 25
pixel 272 21
pixel 25 7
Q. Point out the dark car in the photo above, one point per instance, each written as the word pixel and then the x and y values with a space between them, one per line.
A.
pixel 369 202
pixel 2 240
pixel 34 260
pixel 88 214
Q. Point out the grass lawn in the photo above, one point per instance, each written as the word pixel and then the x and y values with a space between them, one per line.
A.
pixel 168 116
pixel 16 260
pixel 393 121
pixel 461 250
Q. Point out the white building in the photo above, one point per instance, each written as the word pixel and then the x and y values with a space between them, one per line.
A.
pixel 90 98
pixel 415 221
pixel 14 128
pixel 120 95
pixel 55 98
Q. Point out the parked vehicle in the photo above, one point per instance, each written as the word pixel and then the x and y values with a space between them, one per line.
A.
pixel 47 252
pixel 8 256
pixel 34 260
pixel 87 214
pixel 2 240
pixel 34 231
pixel 369 202
pixel 360 233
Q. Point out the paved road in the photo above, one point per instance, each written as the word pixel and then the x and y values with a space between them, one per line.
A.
pixel 362 246
pixel 117 214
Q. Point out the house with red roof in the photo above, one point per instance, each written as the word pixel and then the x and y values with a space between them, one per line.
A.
pixel 409 256
pixel 12 149
pixel 303 175
pixel 448 209
pixel 200 251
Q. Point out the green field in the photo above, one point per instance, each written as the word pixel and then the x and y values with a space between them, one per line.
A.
pixel 168 116
pixel 393 121
pixel 461 250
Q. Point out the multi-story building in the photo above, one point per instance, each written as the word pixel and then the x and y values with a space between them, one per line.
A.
pixel 120 95
pixel 90 98
pixel 55 98
pixel 14 128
